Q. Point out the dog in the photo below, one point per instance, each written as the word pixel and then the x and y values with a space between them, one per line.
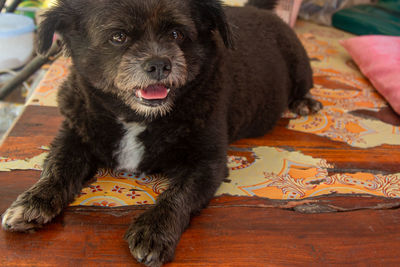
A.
pixel 162 86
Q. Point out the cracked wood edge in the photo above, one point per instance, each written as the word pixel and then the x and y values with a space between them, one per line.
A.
pixel 320 204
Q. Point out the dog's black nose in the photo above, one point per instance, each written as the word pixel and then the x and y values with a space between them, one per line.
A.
pixel 158 68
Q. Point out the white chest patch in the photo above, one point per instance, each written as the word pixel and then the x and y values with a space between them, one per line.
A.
pixel 130 150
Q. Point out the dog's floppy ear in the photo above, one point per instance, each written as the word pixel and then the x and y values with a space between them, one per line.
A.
pixel 57 19
pixel 212 13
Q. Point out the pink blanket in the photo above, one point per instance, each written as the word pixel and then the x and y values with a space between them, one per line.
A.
pixel 378 57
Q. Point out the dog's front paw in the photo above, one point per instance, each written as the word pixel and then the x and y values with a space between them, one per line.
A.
pixel 28 213
pixel 150 243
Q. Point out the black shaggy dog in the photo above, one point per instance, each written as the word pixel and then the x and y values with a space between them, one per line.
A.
pixel 156 88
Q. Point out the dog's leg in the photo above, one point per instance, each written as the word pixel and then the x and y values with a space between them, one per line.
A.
pixel 66 169
pixel 154 235
pixel 305 106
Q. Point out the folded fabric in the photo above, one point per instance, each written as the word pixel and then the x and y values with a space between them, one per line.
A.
pixel 378 58
pixel 381 18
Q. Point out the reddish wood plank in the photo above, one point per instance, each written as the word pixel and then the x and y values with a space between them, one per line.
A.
pixel 220 236
pixel 14 183
pixel 36 127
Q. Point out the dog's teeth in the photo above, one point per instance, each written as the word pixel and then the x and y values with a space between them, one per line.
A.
pixel 168 90
pixel 139 95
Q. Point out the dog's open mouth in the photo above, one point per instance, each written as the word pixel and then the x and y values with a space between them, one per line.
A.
pixel 153 95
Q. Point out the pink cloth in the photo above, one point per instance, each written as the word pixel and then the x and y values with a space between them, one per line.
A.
pixel 378 58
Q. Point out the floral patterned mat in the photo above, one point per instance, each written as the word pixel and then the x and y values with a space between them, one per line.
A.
pixel 268 171
pixel 261 171
pixel 344 91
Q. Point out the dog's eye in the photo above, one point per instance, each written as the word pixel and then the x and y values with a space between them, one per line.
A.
pixel 118 38
pixel 177 35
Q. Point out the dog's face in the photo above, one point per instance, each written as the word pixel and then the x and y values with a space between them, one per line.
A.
pixel 143 51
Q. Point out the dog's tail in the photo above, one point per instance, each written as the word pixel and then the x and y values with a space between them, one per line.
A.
pixel 264 4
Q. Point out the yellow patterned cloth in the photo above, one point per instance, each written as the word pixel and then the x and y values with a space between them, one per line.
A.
pixel 120 188
pixel 261 171
pixel 341 87
pixel 268 171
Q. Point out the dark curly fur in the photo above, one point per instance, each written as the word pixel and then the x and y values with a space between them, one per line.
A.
pixel 122 50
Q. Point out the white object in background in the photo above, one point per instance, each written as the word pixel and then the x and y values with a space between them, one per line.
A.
pixel 236 2
pixel 16 40
pixel 288 10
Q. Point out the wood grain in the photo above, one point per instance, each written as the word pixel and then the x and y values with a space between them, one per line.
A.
pixel 232 231
pixel 36 127
pixel 220 236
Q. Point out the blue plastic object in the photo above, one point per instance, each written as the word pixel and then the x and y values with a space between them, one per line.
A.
pixel 13 25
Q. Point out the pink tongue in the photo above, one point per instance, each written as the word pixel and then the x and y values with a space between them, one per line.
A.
pixel 154 92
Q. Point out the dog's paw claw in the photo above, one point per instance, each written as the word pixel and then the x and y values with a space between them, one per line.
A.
pixel 27 214
pixel 14 219
pixel 150 246
pixel 148 253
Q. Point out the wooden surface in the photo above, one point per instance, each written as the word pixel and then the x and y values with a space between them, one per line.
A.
pixel 223 235
pixel 232 231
